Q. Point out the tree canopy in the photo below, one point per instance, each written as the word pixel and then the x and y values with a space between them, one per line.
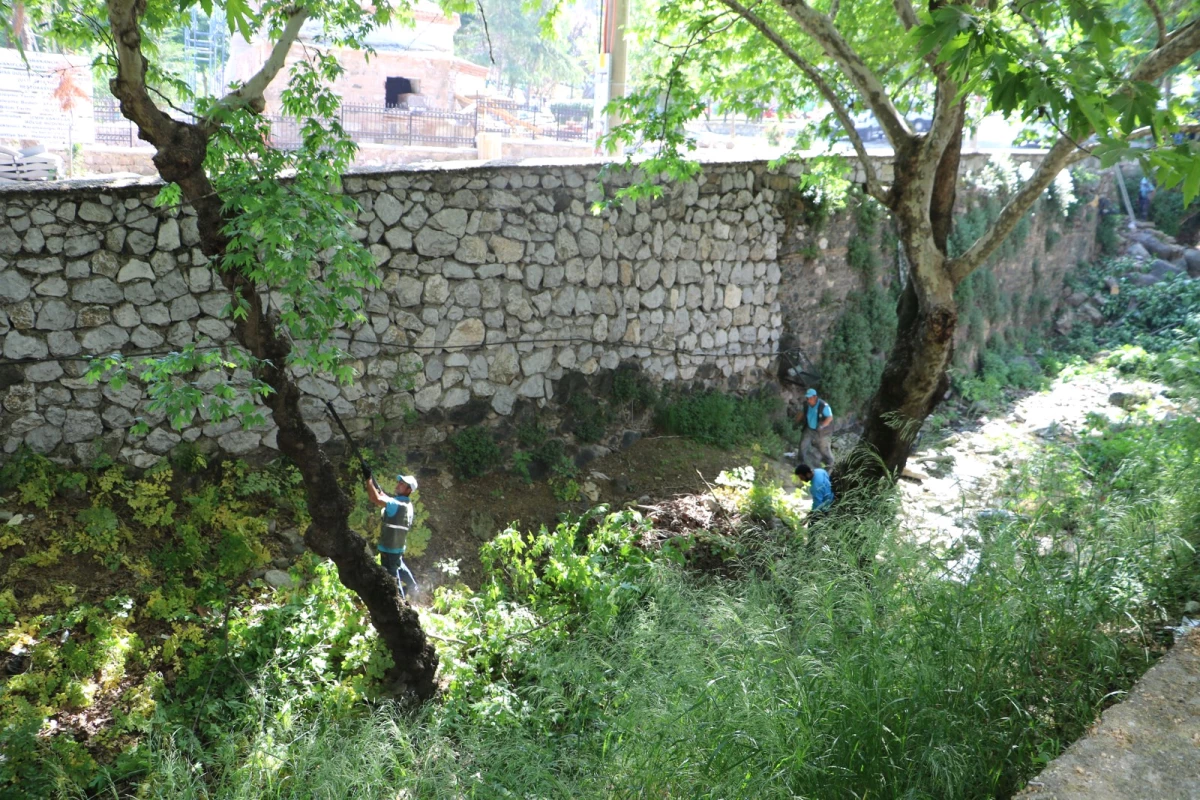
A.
pixel 1091 73
pixel 531 45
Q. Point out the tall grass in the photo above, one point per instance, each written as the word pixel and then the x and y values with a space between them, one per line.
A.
pixel 799 676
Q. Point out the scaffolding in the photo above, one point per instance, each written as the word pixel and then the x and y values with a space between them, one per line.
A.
pixel 205 51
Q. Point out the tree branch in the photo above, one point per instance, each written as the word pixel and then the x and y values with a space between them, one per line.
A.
pixel 1061 155
pixel 1020 12
pixel 822 30
pixel 1143 132
pixel 906 13
pixel 1179 46
pixel 1159 21
pixel 129 85
pixel 874 188
pixel 251 93
pixel 948 115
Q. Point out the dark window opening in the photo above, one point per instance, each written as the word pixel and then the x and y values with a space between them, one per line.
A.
pixel 398 90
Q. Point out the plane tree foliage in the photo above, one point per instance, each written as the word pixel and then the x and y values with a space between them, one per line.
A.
pixel 527 44
pixel 1091 73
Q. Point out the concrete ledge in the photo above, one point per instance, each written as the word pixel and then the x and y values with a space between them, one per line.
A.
pixel 1145 747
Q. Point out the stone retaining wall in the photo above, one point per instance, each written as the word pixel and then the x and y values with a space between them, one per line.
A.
pixel 497 282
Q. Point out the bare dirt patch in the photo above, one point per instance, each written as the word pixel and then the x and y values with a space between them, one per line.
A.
pixel 464 514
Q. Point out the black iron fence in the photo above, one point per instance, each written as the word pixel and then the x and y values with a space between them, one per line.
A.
pixel 564 122
pixel 399 126
pixel 111 127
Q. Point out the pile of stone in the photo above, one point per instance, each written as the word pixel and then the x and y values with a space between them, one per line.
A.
pixel 29 164
pixel 1160 256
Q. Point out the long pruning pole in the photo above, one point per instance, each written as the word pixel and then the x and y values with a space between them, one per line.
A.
pixel 366 470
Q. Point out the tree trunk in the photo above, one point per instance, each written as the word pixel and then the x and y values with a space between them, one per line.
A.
pixel 915 376
pixel 914 382
pixel 181 149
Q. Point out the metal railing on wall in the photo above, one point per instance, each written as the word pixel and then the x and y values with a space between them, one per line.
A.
pixel 413 127
pixel 111 127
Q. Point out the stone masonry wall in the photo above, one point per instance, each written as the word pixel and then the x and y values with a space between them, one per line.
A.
pixel 497 282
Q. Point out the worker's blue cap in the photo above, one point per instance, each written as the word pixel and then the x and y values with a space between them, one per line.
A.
pixel 811 393
pixel 409 479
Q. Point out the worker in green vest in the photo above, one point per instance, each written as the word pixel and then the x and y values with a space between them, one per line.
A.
pixel 396 516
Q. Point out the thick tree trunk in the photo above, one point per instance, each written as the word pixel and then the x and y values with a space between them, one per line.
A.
pixel 329 535
pixel 181 149
pixel 915 376
pixel 914 382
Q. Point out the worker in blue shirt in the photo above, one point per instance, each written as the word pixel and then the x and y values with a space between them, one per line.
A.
pixel 822 489
pixel 1145 194
pixel 396 518
pixel 816 418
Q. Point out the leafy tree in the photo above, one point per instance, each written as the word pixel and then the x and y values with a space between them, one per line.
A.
pixel 1090 70
pixel 278 232
pixel 525 42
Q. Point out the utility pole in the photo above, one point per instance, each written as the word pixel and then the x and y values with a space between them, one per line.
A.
pixel 610 77
pixel 616 72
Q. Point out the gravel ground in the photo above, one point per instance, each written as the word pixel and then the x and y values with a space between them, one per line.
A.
pixel 958 478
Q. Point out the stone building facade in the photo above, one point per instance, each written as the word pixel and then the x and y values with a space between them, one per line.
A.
pixel 421 53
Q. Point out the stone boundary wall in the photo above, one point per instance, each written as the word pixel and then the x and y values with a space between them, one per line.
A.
pixel 497 282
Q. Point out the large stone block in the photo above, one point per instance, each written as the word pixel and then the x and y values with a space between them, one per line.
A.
pixel 105 339
pixel 97 290
pixel 13 287
pixel 508 251
pixel 18 345
pixel 55 316
pixel 81 425
pixel 435 243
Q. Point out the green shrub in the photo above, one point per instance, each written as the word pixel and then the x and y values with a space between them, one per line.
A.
pixel 633 389
pixel 718 419
pixel 1167 211
pixel 186 457
pixel 520 465
pixel 1106 234
pixel 589 418
pixel 531 434
pixel 473 451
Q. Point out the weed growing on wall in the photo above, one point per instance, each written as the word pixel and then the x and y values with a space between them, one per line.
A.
pixel 853 354
pixel 474 451
pixel 862 250
pixel 590 418
pixel 632 389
